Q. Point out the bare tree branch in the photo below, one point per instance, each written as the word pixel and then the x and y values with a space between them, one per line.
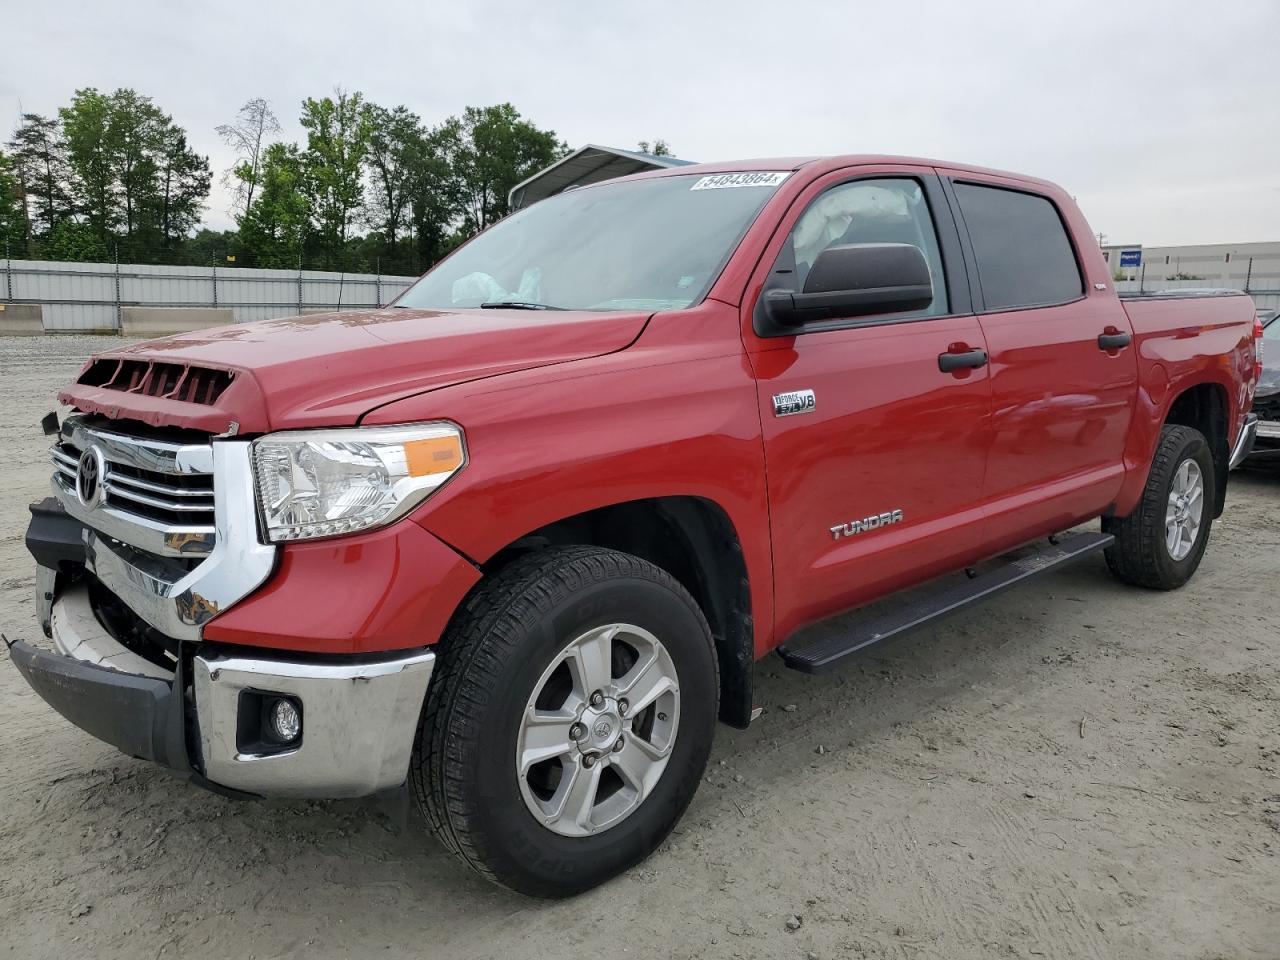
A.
pixel 248 137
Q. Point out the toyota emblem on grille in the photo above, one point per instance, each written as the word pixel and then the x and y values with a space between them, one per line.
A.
pixel 89 477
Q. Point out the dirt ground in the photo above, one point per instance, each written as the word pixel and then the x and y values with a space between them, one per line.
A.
pixel 1077 769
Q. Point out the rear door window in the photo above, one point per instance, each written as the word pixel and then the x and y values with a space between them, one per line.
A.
pixel 1023 254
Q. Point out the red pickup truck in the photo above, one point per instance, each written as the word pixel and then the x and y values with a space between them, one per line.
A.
pixel 520 537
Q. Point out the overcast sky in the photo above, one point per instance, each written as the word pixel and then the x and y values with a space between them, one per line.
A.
pixel 1162 118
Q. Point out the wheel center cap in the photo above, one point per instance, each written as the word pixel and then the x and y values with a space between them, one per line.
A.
pixel 603 725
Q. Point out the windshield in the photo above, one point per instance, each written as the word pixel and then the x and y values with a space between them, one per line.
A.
pixel 651 245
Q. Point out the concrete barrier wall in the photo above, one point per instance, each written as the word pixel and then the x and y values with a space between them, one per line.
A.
pixel 21 320
pixel 162 321
pixel 89 297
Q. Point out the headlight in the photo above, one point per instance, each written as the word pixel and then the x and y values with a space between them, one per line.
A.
pixel 321 483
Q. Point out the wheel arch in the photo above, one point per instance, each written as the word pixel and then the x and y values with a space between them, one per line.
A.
pixel 694 540
pixel 1204 406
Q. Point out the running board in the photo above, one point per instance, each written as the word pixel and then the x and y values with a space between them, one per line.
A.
pixel 935 601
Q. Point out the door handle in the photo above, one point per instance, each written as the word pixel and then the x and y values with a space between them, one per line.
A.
pixel 1113 341
pixel 959 361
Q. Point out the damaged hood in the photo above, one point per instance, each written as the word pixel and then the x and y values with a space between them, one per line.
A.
pixel 330 369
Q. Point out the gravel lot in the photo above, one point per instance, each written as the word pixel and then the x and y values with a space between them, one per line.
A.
pixel 1077 769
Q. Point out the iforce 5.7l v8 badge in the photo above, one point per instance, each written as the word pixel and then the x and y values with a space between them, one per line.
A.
pixel 797 401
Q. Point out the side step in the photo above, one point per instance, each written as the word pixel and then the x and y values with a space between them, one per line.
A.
pixel 946 596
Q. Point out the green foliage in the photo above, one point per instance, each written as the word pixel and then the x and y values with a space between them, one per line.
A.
pixel 75 240
pixel 182 179
pixel 337 141
pixel 275 228
pixel 396 148
pixel 85 125
pixel 42 170
pixel 211 248
pixel 112 175
pixel 134 182
pixel 13 215
pixel 658 148
pixel 498 149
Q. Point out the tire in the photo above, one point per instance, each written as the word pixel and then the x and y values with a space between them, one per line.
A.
pixel 1142 554
pixel 506 644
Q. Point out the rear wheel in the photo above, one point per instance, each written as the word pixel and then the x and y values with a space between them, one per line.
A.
pixel 569 720
pixel 1161 543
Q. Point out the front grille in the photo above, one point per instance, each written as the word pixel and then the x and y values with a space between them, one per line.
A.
pixel 172 381
pixel 177 499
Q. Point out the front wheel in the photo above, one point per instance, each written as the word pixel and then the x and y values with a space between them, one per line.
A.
pixel 569 720
pixel 1160 544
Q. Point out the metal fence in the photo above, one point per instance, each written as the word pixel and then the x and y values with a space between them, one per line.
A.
pixel 1264 290
pixel 90 296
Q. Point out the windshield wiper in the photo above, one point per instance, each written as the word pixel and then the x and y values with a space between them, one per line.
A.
pixel 516 305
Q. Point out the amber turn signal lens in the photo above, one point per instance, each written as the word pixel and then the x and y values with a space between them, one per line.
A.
pixel 433 455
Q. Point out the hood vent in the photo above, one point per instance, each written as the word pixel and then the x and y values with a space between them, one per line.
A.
pixel 171 381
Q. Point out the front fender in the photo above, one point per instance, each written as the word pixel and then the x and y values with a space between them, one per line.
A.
pixel 390 589
pixel 674 415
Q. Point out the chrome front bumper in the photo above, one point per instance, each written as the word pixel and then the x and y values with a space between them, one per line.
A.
pixel 359 722
pixel 359 719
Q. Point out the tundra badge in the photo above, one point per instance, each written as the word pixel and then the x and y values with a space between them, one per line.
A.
pixel 797 401
pixel 873 522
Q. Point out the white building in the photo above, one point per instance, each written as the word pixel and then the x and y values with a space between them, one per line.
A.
pixel 1215 264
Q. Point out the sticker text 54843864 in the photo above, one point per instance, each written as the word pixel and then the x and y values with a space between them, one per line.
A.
pixel 747 178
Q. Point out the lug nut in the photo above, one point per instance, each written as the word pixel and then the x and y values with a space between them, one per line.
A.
pixel 589 760
pixel 618 745
pixel 597 698
pixel 577 731
pixel 623 707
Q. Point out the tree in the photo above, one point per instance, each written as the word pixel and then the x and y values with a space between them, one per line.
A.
pixel 39 154
pixel 274 230
pixel 183 179
pixel 13 213
pixel 436 196
pixel 210 248
pixel 499 149
pixel 658 148
pixel 247 136
pixel 396 152
pixel 337 141
pixel 74 240
pixel 138 184
pixel 85 125
pixel 136 130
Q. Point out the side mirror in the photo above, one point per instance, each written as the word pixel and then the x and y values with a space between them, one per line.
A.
pixel 855 280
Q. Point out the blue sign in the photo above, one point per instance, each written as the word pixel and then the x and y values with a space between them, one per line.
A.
pixel 1130 258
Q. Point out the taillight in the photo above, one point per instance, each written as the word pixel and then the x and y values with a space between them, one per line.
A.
pixel 1257 347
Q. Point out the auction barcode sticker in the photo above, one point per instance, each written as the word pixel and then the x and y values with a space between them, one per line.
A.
pixel 754 178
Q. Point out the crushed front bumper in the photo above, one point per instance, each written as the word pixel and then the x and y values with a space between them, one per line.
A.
pixel 137 715
pixel 359 715
pixel 137 573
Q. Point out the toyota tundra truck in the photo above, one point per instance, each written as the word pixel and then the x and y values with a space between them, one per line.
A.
pixel 519 538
